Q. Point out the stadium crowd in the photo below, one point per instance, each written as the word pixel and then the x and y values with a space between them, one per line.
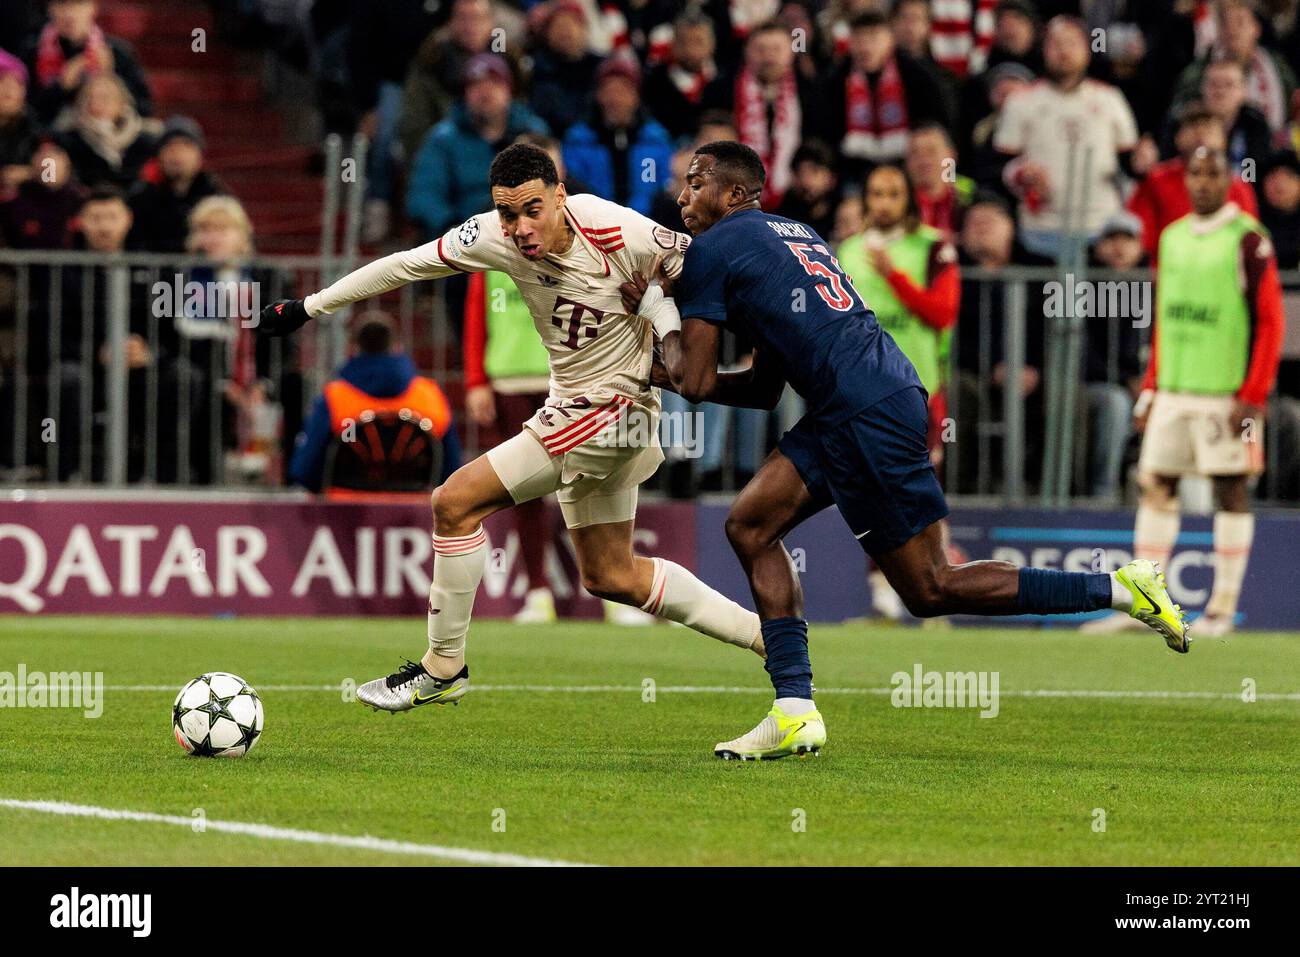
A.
pixel 923 137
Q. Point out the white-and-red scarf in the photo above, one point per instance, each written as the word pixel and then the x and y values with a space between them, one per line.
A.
pixel 775 145
pixel 50 60
pixel 961 34
pixel 875 126
pixel 691 83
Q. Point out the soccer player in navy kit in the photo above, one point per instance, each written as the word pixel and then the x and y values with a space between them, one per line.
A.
pixel 861 446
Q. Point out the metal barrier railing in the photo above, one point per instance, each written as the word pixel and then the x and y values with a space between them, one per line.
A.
pixel 142 369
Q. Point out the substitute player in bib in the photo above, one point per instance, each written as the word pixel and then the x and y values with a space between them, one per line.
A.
pixel 1218 339
pixel 861 446
pixel 594 441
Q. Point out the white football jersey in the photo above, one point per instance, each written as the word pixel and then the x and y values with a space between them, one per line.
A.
pixel 595 347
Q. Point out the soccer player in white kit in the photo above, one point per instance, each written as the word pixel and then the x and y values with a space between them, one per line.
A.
pixel 593 443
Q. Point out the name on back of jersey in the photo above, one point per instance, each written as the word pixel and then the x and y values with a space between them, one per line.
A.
pixel 791 229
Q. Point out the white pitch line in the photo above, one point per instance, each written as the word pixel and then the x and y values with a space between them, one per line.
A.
pixel 725 689
pixel 267 832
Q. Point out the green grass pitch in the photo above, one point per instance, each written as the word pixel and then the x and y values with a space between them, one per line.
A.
pixel 600 775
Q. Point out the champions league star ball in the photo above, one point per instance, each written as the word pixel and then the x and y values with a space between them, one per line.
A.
pixel 217 715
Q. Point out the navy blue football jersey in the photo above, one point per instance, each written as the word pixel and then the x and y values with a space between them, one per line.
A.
pixel 777 281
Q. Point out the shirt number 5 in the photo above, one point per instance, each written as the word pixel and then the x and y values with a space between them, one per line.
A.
pixel 836 295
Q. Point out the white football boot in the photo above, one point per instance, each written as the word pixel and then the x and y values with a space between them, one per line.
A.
pixel 411 686
pixel 777 736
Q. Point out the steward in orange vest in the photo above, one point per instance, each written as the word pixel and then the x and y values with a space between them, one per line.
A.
pixel 376 380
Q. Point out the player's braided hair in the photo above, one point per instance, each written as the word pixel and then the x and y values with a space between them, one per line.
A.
pixel 519 163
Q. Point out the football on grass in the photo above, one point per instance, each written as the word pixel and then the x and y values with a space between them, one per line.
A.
pixel 217 715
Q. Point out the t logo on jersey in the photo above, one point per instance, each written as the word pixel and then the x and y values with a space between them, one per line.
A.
pixel 577 330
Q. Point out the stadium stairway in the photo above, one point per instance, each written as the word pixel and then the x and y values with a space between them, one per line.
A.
pixel 248 142
pixel 248 146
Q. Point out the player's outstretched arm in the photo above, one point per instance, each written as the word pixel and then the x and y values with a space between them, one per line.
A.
pixel 373 279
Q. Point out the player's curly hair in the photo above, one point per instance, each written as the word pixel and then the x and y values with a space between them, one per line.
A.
pixel 519 163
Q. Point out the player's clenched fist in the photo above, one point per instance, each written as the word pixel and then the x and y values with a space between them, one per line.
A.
pixel 283 317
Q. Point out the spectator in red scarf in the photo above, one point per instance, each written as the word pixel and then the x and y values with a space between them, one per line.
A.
pixel 1162 196
pixel 941 195
pixel 70 49
pixel 876 97
pixel 678 92
pixel 775 106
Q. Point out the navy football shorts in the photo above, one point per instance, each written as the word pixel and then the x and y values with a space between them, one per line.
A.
pixel 874 467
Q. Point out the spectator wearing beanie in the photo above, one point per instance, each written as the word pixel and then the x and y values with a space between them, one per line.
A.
pixel 162 208
pixel 621 152
pixel 436 78
pixel 449 177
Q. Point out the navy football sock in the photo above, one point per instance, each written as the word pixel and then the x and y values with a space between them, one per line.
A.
pixel 786 641
pixel 1044 591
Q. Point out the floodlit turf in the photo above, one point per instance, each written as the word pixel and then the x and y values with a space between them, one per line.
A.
pixel 603 776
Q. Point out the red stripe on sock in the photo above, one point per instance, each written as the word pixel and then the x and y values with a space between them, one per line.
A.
pixel 657 605
pixel 458 546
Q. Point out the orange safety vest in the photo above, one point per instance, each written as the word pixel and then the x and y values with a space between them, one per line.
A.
pixel 422 397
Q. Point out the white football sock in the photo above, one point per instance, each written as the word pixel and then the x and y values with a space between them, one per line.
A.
pixel 1233 534
pixel 458 565
pixel 1155 532
pixel 793 707
pixel 679 596
pixel 1121 599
